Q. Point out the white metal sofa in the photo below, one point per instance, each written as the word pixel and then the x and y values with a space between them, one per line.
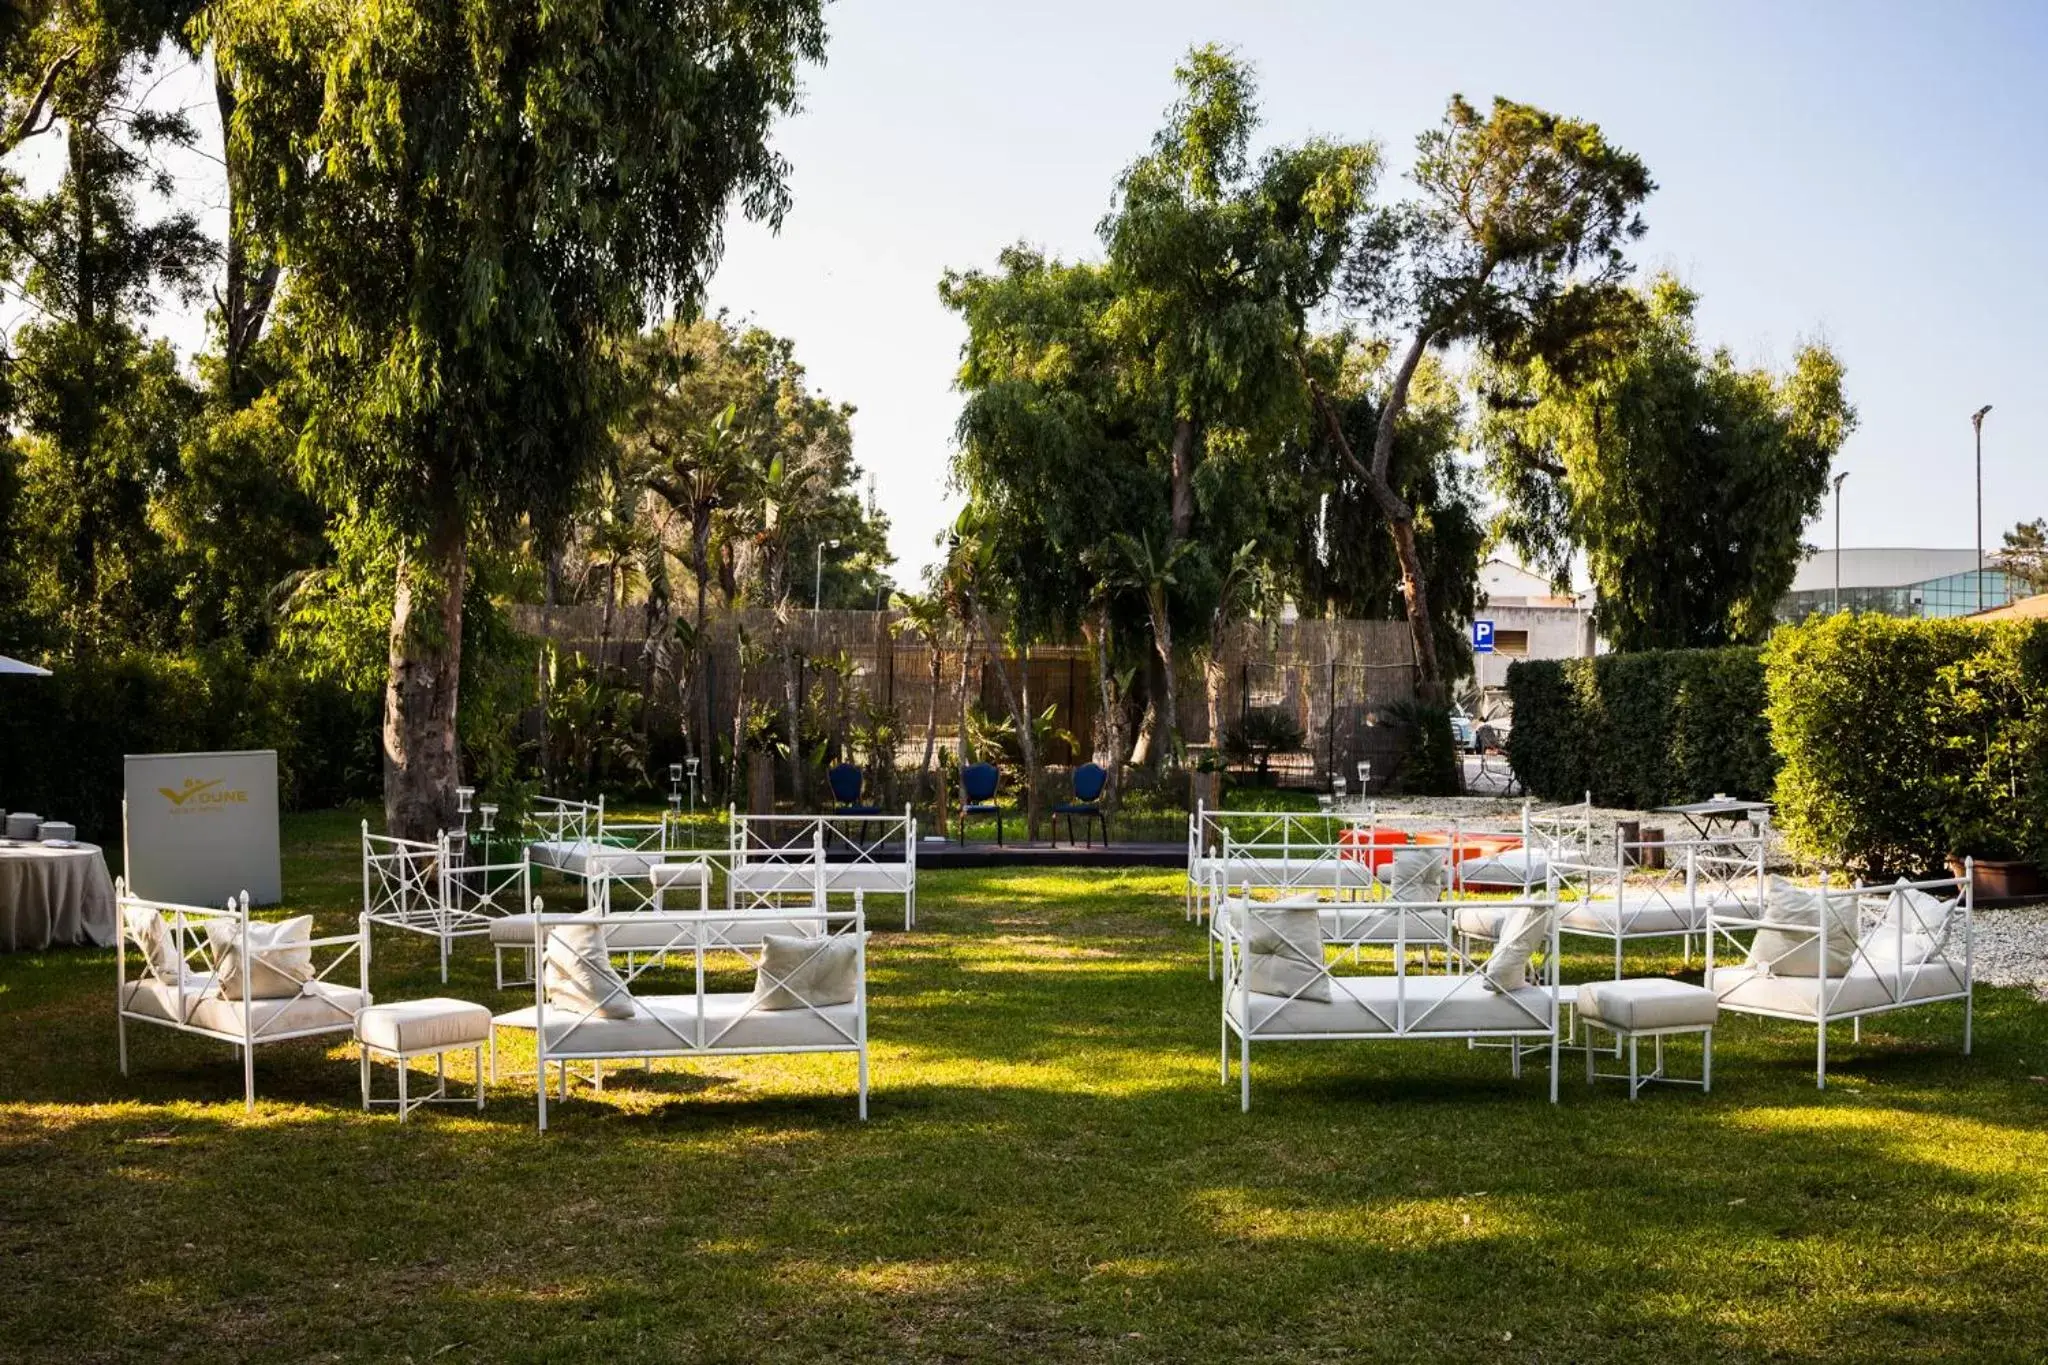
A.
pixel 1462 1003
pixel 619 1021
pixel 875 854
pixel 433 889
pixel 1282 851
pixel 1372 913
pixel 1852 952
pixel 217 974
pixel 1622 898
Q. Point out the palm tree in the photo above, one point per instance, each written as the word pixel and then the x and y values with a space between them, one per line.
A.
pixel 925 613
pixel 1133 561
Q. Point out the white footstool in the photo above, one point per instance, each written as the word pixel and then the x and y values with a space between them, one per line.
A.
pixel 424 1028
pixel 1649 1007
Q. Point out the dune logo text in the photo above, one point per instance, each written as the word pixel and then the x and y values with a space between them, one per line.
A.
pixel 197 795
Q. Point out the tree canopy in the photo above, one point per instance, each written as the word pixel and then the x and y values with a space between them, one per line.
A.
pixel 1684 479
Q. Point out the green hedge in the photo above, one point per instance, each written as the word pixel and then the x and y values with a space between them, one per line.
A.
pixel 1644 729
pixel 63 738
pixel 1908 741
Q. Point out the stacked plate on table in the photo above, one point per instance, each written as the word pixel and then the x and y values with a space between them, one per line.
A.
pixel 58 833
pixel 24 825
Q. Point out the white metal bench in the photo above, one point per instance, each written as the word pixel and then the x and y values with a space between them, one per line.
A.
pixel 874 854
pixel 432 889
pixel 183 950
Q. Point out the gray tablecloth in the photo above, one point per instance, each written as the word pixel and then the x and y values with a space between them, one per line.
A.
pixel 54 895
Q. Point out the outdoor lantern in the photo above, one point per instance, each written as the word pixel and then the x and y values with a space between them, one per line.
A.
pixel 1364 775
pixel 675 774
pixel 464 796
pixel 490 815
pixel 693 768
pixel 1337 787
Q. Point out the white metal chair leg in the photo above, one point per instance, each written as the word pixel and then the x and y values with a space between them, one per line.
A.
pixel 1707 1063
pixel 1969 1006
pixel 863 1083
pixel 1633 1069
pixel 1244 1074
pixel 480 1069
pixel 121 1031
pixel 249 1079
pixel 363 1060
pixel 1820 1060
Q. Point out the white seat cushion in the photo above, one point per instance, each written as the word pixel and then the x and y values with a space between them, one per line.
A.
pixel 424 1025
pixel 319 1007
pixel 1745 989
pixel 669 1024
pixel 1364 923
pixel 627 931
pixel 1476 919
pixel 1648 1003
pixel 1510 870
pixel 587 857
pixel 679 874
pixel 1643 912
pixel 1450 1005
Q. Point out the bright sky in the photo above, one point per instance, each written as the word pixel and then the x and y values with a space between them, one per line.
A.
pixel 1866 173
pixel 1869 174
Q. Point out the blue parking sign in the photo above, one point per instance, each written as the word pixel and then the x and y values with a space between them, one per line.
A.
pixel 1482 637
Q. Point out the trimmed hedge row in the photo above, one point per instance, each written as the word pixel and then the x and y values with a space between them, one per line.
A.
pixel 62 738
pixel 1644 729
pixel 1909 741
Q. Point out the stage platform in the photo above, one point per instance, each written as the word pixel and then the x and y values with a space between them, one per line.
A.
pixel 934 856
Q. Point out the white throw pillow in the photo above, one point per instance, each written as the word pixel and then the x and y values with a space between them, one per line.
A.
pixel 579 977
pixel 1776 952
pixel 1283 952
pixel 1525 931
pixel 1917 912
pixel 279 969
pixel 1418 875
pixel 153 935
pixel 806 973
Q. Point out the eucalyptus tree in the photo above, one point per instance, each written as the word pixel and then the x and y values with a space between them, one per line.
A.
pixel 1683 479
pixel 99 406
pixel 1512 243
pixel 476 204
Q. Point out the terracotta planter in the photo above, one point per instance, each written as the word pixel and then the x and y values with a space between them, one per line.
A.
pixel 760 784
pixel 2000 878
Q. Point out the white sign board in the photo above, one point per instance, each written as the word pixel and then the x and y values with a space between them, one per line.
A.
pixel 203 827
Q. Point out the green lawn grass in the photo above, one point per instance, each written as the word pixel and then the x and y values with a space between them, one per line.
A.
pixel 1051 1172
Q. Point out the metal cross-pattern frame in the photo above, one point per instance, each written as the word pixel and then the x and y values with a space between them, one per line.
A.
pixel 1623 898
pixel 872 853
pixel 700 935
pixel 431 889
pixel 1885 917
pixel 1523 1021
pixel 195 934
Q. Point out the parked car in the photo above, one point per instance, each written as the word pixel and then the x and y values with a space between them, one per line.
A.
pixel 1464 734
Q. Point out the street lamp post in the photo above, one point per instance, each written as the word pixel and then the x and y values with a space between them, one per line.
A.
pixel 1838 541
pixel 818 576
pixel 1977 422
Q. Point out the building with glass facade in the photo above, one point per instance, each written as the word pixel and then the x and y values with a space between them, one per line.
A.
pixel 1898 582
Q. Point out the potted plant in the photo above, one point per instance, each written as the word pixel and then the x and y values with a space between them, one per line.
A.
pixel 1998 870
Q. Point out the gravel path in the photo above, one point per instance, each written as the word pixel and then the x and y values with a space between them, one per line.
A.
pixel 2011 948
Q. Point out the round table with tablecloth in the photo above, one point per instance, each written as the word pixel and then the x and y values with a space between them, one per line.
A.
pixel 54 895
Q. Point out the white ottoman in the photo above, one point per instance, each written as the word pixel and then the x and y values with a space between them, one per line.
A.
pixel 1649 1007
pixel 424 1028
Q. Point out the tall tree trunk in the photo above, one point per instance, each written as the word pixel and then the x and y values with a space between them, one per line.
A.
pixel 1026 741
pixel 700 569
pixel 1181 457
pixel 1097 632
pixel 421 758
pixel 931 720
pixel 247 287
pixel 793 702
pixel 1167 704
pixel 1400 516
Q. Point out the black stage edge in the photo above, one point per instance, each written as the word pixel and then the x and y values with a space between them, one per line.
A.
pixel 1062 854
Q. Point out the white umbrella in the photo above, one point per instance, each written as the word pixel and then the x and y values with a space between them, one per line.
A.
pixel 8 665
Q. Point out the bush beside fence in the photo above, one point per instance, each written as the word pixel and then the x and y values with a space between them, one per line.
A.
pixel 1906 742
pixel 1644 729
pixel 63 738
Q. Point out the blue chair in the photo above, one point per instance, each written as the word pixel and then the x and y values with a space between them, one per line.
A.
pixel 846 780
pixel 978 783
pixel 1089 780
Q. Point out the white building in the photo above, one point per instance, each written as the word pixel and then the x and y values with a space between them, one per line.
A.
pixel 1531 620
pixel 1898 582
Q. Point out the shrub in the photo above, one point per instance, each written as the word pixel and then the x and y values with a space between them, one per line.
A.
pixel 1425 750
pixel 63 738
pixel 1643 729
pixel 1253 739
pixel 1908 741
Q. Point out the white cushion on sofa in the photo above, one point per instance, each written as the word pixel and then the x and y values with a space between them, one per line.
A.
pixel 1453 1005
pixel 1525 931
pixel 280 965
pixel 579 977
pixel 1783 953
pixel 807 973
pixel 1283 952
